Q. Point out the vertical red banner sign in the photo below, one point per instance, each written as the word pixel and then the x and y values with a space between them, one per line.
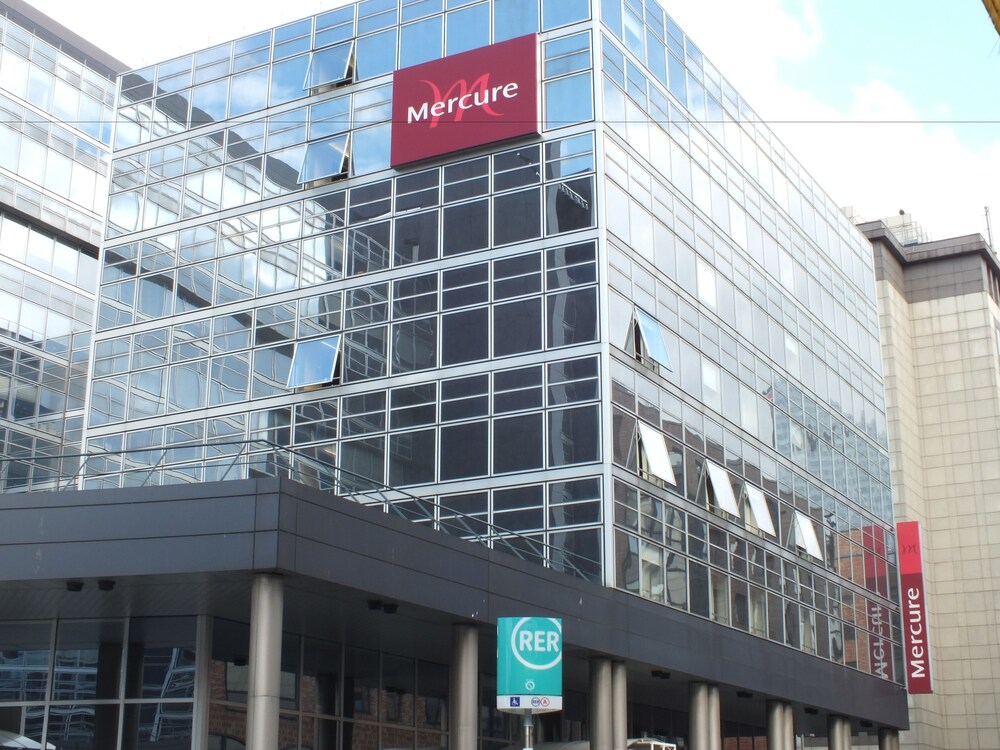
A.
pixel 482 96
pixel 914 604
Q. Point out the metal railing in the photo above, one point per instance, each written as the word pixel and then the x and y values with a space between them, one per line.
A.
pixel 228 460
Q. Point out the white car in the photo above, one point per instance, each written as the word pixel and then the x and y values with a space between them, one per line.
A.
pixel 639 743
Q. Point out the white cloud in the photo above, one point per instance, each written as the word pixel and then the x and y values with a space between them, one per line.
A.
pixel 923 168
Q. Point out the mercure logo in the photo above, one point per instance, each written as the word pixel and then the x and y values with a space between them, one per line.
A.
pixel 465 100
pixel 460 98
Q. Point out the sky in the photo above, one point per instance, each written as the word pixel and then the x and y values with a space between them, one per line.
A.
pixel 889 104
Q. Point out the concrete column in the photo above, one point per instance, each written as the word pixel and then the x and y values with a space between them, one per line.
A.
pixel 776 726
pixel 463 692
pixel 264 689
pixel 789 727
pixel 601 703
pixel 619 705
pixel 714 718
pixel 700 732
pixel 888 739
pixel 838 733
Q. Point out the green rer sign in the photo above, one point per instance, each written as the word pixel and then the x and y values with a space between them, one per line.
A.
pixel 529 664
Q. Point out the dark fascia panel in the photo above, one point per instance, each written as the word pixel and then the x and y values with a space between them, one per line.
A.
pixel 214 529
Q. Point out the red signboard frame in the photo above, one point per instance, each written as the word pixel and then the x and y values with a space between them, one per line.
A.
pixel 470 99
pixel 914 605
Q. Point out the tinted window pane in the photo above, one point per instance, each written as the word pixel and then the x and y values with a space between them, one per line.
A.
pixel 569 206
pixel 466 227
pixel 411 458
pixel 572 317
pixel 464 336
pixel 516 217
pixel 364 354
pixel 573 436
pixel 464 450
pixel 416 238
pixel 362 460
pixel 468 28
pixel 88 660
pixel 286 79
pixel 517 327
pixel 414 345
pixel 568 101
pixel 517 443
pixel 368 248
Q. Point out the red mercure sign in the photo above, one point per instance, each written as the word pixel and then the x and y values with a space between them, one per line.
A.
pixel 914 604
pixel 469 99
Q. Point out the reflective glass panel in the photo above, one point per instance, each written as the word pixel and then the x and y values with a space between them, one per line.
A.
pixel 24 662
pixel 420 42
pixel 468 28
pixel 514 18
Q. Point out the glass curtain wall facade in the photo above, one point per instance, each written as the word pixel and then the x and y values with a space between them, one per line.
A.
pixel 646 336
pixel 56 110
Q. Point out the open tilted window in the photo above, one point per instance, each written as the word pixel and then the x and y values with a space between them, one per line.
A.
pixel 330 66
pixel 325 159
pixel 758 515
pixel 649 340
pixel 805 539
pixel 314 362
pixel 654 450
pixel 722 489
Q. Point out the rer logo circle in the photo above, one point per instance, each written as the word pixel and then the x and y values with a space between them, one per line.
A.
pixel 536 642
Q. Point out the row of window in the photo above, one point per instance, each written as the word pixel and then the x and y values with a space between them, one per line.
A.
pixel 842 458
pixel 630 217
pixel 55 83
pixel 519 168
pixel 717 105
pixel 53 134
pixel 667 413
pixel 505 279
pixel 49 255
pixel 705 483
pixel 569 319
pixel 32 462
pixel 466 28
pixel 467 227
pixel 664 460
pixel 808 278
pixel 687 424
pixel 48 169
pixel 252 138
pixel 669 577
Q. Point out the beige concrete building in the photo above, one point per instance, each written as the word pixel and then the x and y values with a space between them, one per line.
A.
pixel 940 326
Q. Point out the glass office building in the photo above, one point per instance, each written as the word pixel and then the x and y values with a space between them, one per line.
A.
pixel 57 98
pixel 642 343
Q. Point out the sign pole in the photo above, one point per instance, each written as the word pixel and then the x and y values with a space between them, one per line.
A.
pixel 528 725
